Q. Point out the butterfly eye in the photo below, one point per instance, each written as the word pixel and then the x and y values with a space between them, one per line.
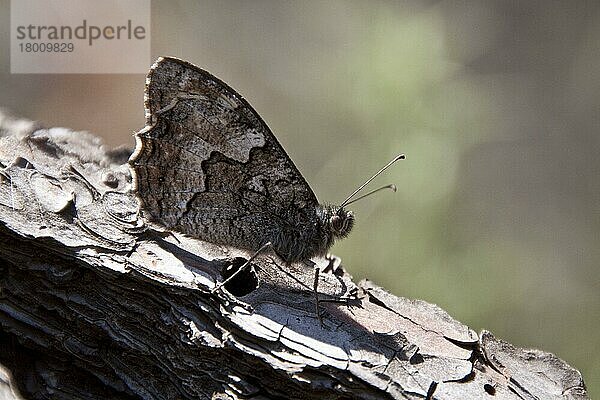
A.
pixel 336 222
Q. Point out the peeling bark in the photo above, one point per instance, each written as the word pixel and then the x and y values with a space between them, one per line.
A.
pixel 94 303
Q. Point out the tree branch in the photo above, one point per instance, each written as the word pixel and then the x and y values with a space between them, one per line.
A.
pixel 94 303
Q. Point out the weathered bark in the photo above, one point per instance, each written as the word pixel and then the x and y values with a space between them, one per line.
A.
pixel 96 304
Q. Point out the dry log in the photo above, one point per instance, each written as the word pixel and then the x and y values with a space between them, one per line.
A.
pixel 95 303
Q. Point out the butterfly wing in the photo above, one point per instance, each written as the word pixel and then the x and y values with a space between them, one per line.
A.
pixel 207 165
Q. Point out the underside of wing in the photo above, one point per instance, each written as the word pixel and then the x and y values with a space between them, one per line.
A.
pixel 207 165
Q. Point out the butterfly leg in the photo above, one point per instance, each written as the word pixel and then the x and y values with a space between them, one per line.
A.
pixel 348 296
pixel 334 263
pixel 240 269
pixel 316 292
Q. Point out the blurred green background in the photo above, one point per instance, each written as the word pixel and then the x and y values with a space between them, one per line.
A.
pixel 495 103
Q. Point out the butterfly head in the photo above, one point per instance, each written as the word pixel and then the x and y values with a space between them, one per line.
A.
pixel 338 221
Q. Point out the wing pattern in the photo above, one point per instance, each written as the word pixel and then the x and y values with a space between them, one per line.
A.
pixel 207 165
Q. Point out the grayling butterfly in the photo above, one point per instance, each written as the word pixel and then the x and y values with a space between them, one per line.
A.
pixel 207 165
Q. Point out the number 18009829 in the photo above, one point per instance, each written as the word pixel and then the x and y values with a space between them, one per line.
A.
pixel 35 47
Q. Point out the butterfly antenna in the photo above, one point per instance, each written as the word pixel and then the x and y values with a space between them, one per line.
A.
pixel 392 187
pixel 347 201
